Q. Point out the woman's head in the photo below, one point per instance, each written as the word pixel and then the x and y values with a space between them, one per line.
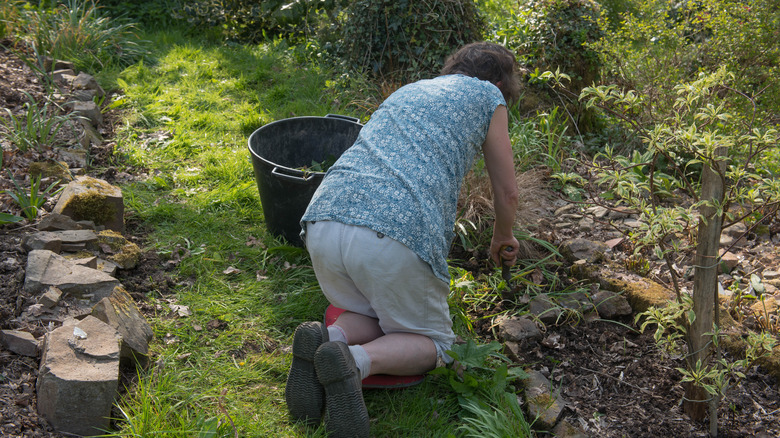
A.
pixel 489 62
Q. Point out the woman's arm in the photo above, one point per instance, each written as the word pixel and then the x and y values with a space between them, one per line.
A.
pixel 499 160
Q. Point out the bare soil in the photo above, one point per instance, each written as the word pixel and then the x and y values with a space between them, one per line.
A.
pixel 615 381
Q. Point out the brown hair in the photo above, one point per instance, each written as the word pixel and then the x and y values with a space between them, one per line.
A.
pixel 487 61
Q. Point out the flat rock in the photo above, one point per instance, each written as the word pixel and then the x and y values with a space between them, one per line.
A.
pixel 78 377
pixel 544 308
pixel 771 275
pixel 20 342
pixel 89 110
pixel 85 81
pixel 611 305
pixel 88 198
pixel 119 250
pixel 578 302
pixel 77 240
pixel 42 240
pixel 120 312
pixel 57 75
pixel 597 211
pixel 89 262
pixel 518 330
pixel 583 249
pixel 543 405
pixel 75 157
pixel 45 268
pixel 57 222
pixel 50 298
pixel 728 261
pixel 564 429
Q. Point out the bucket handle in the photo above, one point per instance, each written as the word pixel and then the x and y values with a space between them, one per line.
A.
pixel 339 116
pixel 278 172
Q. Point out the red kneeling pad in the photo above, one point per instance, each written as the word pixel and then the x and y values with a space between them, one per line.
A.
pixel 377 380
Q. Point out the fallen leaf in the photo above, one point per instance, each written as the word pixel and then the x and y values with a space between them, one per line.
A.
pixel 232 270
pixel 553 341
pixel 36 309
pixel 252 241
pixel 216 324
pixel 180 310
pixel 537 276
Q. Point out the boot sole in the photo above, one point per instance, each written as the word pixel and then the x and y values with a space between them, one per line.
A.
pixel 304 394
pixel 346 411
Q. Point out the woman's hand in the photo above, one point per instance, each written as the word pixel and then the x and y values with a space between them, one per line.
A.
pixel 503 251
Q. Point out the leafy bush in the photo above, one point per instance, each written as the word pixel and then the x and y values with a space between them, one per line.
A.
pixel 252 21
pixel 665 43
pixel 556 35
pixel 698 129
pixel 402 40
pixel 152 13
pixel 550 35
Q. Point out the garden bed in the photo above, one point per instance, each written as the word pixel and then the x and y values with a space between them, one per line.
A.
pixel 614 380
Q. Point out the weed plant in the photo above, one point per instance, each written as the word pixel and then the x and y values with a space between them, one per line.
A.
pixel 30 201
pixel 38 126
pixel 9 17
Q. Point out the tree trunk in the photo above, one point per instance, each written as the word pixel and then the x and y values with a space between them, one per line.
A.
pixel 705 286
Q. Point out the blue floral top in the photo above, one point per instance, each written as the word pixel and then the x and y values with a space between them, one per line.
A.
pixel 403 175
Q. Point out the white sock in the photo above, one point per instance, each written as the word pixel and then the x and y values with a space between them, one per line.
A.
pixel 336 334
pixel 362 360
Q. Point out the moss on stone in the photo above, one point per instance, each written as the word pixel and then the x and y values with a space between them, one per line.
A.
pixel 125 253
pixel 92 205
pixel 128 256
pixel 51 169
pixel 114 240
pixel 642 294
pixel 736 345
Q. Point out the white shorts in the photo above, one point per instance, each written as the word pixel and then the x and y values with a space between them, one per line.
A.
pixel 368 273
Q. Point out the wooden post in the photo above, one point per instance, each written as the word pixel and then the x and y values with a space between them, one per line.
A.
pixel 705 283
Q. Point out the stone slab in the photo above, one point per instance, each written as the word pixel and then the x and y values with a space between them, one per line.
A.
pixel 79 376
pixel 45 268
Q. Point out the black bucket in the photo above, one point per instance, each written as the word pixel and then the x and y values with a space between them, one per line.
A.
pixel 280 150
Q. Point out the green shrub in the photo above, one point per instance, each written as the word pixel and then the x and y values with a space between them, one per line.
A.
pixel 151 13
pixel 552 36
pixel 253 21
pixel 664 44
pixel 557 35
pixel 402 40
